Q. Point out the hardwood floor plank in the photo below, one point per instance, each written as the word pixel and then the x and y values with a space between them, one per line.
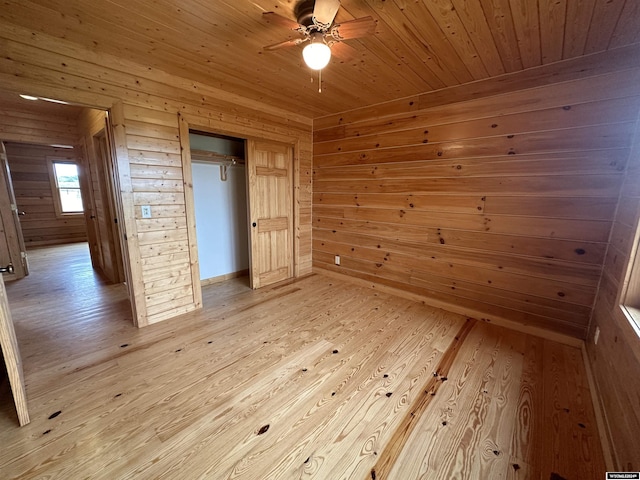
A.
pixel 314 378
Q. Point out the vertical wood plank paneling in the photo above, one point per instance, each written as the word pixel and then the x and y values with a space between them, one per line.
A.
pixel 445 14
pixel 527 25
pixel 579 14
pixel 627 27
pixel 552 26
pixel 535 174
pixel 605 18
pixel 500 20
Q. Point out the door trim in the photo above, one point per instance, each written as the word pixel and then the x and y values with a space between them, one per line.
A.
pixel 190 210
pixel 187 123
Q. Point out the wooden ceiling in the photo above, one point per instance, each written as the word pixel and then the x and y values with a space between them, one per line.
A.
pixel 420 45
pixel 11 102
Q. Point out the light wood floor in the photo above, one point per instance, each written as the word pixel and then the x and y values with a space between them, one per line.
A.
pixel 318 378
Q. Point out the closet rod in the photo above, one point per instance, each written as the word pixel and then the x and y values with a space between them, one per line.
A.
pixel 214 157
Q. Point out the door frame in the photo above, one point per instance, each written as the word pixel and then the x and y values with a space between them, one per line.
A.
pixel 10 221
pixel 187 123
pixel 102 149
pixel 122 196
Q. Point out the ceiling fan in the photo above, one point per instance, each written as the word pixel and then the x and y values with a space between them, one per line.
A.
pixel 314 21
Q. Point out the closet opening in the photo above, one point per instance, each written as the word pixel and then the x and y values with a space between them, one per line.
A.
pixel 218 165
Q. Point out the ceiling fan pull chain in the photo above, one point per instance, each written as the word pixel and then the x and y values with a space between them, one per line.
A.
pixel 319 81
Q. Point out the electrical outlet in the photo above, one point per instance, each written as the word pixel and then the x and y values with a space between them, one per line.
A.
pixel 596 335
pixel 337 260
pixel 146 211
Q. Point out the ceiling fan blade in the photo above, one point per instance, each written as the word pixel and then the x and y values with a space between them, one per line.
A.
pixel 344 52
pixel 285 44
pixel 357 28
pixel 325 11
pixel 281 21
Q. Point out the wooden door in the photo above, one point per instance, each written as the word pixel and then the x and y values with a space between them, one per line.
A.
pixel 270 169
pixel 12 249
pixel 86 182
pixel 113 199
pixel 11 355
pixel 110 262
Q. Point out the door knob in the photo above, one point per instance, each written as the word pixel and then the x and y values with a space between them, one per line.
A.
pixel 254 224
pixel 8 269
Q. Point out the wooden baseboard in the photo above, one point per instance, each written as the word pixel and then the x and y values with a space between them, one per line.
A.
pixel 449 307
pixel 223 278
pixel 601 417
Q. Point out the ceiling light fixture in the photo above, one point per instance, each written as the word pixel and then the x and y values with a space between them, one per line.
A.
pixel 317 54
pixel 52 100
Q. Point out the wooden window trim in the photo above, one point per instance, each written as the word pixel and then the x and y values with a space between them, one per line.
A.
pixel 629 298
pixel 57 204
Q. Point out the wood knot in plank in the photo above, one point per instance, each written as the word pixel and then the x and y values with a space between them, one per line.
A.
pixel 555 476
pixel 263 429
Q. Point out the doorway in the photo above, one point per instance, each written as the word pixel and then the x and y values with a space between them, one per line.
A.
pixel 220 203
pixel 49 187
pixel 268 176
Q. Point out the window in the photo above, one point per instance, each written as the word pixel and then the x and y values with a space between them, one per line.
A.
pixel 67 186
pixel 630 294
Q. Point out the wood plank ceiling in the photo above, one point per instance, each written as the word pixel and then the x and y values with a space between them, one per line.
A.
pixel 10 103
pixel 419 46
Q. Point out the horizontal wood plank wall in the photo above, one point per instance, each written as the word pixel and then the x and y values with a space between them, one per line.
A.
pixel 55 68
pixel 498 207
pixel 27 125
pixel 615 360
pixel 34 196
pixel 157 181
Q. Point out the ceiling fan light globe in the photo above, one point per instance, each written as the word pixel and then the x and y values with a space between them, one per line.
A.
pixel 316 55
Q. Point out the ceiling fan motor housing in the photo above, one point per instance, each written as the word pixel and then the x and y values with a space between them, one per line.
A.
pixel 304 12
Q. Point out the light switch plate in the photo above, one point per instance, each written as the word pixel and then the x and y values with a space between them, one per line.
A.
pixel 146 211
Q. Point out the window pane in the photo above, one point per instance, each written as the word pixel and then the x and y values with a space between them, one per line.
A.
pixel 70 200
pixel 67 175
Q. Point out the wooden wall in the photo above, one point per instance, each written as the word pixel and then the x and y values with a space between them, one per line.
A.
pixel 35 126
pixel 26 122
pixel 34 196
pixel 615 359
pixel 145 103
pixel 495 200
